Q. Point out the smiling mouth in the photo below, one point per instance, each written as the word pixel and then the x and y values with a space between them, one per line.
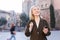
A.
pixel 37 13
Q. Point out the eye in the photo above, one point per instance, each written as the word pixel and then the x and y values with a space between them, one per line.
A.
pixel 37 8
pixel 34 9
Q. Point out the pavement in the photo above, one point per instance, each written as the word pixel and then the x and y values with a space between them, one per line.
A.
pixel 55 35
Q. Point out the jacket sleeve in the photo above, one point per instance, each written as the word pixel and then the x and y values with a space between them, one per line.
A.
pixel 47 26
pixel 27 32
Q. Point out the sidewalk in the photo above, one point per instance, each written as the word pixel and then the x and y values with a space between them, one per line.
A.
pixel 55 35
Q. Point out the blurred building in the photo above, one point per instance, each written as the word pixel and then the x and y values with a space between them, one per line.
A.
pixel 56 4
pixel 4 14
pixel 26 6
pixel 11 17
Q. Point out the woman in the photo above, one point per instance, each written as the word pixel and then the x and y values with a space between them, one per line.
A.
pixel 12 30
pixel 37 28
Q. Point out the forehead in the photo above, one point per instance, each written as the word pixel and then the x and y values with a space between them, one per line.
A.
pixel 35 7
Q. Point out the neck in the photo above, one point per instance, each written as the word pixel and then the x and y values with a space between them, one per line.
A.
pixel 37 18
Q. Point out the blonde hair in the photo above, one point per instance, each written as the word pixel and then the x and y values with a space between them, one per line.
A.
pixel 31 16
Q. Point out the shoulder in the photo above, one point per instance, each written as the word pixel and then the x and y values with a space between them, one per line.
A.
pixel 30 21
pixel 43 20
pixel 45 23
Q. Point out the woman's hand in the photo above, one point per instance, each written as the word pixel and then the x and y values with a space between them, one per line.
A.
pixel 14 32
pixel 30 26
pixel 45 30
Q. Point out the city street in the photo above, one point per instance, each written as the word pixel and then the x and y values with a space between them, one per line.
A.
pixel 55 35
pixel 15 15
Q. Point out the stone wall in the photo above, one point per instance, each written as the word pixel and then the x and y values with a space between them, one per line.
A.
pixel 57 17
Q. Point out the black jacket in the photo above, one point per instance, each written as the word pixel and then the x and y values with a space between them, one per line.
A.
pixel 37 33
pixel 12 29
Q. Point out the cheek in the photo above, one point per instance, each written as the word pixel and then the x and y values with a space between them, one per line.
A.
pixel 33 12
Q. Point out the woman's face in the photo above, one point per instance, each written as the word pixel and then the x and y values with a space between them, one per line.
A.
pixel 36 11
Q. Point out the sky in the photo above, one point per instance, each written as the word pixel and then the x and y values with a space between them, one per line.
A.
pixel 8 5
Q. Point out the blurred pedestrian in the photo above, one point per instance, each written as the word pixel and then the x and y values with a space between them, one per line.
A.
pixel 13 32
